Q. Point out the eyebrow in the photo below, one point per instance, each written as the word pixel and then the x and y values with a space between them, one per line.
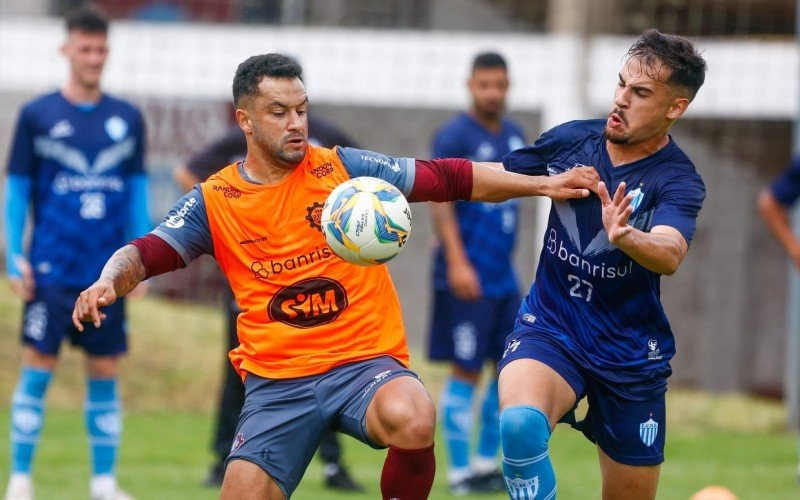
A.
pixel 276 102
pixel 635 87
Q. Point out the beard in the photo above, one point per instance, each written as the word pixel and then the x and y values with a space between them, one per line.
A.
pixel 277 148
pixel 615 137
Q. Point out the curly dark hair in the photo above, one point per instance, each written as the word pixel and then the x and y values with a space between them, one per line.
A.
pixel 88 19
pixel 489 60
pixel 679 54
pixel 250 73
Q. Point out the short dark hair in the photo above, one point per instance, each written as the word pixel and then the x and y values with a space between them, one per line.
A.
pixel 250 73
pixel 487 60
pixel 88 19
pixel 679 54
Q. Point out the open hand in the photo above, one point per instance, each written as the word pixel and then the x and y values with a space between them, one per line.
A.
pixel 464 281
pixel 89 302
pixel 23 286
pixel 616 212
pixel 576 182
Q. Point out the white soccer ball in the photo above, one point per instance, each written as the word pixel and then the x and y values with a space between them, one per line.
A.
pixel 366 221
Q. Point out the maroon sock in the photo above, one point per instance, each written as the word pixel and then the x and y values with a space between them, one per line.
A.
pixel 408 474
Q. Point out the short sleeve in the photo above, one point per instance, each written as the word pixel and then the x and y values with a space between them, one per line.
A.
pixel 186 228
pixel 22 159
pixel 397 171
pixel 786 188
pixel 136 164
pixel 218 154
pixel 531 160
pixel 679 203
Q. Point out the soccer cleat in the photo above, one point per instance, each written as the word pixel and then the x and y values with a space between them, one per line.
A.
pixel 104 487
pixel 116 494
pixel 19 488
pixel 490 482
pixel 337 478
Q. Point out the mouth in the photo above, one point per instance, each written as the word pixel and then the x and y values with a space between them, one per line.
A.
pixel 296 141
pixel 615 121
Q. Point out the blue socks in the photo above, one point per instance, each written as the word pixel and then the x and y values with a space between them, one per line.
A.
pixel 457 423
pixel 27 417
pixel 489 440
pixel 528 472
pixel 104 424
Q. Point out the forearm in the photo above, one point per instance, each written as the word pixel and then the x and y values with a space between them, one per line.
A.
pixel 124 270
pixel 660 253
pixel 17 195
pixel 492 183
pixel 446 225
pixel 778 222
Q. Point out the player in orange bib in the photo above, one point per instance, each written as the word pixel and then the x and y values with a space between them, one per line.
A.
pixel 322 343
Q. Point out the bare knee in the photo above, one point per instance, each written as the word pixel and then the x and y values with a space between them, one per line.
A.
pixel 402 415
pixel 247 481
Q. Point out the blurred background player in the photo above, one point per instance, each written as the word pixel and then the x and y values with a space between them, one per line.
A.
pixel 476 289
pixel 593 325
pixel 78 159
pixel 231 149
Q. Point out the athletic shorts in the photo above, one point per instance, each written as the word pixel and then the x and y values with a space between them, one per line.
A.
pixel 284 420
pixel 470 333
pixel 626 420
pixel 47 321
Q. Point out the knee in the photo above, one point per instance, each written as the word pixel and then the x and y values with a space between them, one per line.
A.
pixel 524 426
pixel 408 423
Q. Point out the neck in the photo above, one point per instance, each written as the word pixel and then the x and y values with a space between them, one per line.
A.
pixel 264 169
pixel 621 154
pixel 489 121
pixel 76 93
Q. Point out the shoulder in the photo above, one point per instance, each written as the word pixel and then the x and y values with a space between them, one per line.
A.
pixel 454 125
pixel 40 105
pixel 123 107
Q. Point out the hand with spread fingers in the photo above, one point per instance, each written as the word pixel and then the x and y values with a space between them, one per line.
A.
pixel 89 302
pixel 616 212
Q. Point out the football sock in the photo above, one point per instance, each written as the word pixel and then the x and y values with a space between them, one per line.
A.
pixel 104 424
pixel 408 474
pixel 525 432
pixel 27 417
pixel 457 425
pixel 489 439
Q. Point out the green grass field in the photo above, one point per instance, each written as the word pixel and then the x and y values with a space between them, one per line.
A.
pixel 170 387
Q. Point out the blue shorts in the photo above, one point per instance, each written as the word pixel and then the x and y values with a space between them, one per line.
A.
pixel 626 420
pixel 283 420
pixel 47 320
pixel 469 333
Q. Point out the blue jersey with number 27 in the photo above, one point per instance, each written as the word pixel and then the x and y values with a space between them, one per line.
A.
pixel 588 295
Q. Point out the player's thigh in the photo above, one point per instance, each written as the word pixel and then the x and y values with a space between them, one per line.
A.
pixel 627 482
pixel 378 401
pixel 46 320
pixel 279 428
pixel 535 372
pixel 461 331
pixel 245 480
pixel 504 315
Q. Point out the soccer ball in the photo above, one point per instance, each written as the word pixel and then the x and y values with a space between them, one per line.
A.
pixel 366 221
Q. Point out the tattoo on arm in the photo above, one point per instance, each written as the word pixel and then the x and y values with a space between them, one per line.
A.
pixel 125 269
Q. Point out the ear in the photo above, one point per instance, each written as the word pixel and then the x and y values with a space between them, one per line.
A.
pixel 677 108
pixel 243 119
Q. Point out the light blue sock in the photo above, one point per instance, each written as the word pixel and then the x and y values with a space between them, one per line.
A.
pixel 27 417
pixel 104 424
pixel 457 421
pixel 529 474
pixel 490 423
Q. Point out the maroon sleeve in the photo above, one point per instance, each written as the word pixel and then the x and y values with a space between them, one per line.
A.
pixel 157 256
pixel 444 179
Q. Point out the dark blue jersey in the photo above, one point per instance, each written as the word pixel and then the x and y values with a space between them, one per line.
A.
pixel 786 188
pixel 488 230
pixel 588 294
pixel 80 161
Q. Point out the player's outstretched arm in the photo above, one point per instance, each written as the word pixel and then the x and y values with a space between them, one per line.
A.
pixel 661 250
pixel 776 217
pixel 491 182
pixel 123 271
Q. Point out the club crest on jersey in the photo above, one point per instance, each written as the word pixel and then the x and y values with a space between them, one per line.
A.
pixel 653 352
pixel 519 488
pixel 238 441
pixel 314 215
pixel 648 431
pixel 638 195
pixel 116 128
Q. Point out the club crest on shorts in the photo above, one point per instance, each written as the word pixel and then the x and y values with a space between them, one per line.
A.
pixel 519 489
pixel 238 441
pixel 648 431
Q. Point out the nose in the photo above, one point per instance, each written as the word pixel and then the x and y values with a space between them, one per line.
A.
pixel 622 97
pixel 295 122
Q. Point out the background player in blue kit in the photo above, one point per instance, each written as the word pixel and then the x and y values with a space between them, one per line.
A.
pixel 593 325
pixel 774 203
pixel 78 159
pixel 475 286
